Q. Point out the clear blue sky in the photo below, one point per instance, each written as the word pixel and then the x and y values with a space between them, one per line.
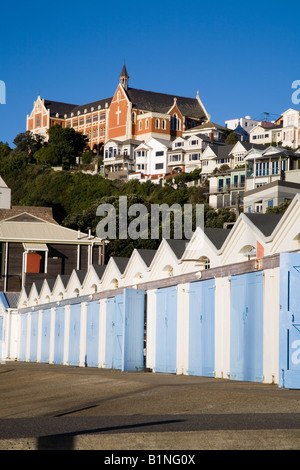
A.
pixel 241 56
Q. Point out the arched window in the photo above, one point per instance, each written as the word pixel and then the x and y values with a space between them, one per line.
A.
pixel 114 283
pixel 175 123
pixel 205 262
pixel 140 125
pixel 147 124
pixel 157 123
pixel 163 124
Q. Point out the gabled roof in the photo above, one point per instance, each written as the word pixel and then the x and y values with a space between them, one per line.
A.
pixel 61 109
pixel 177 246
pixel 266 223
pixel 57 107
pixel 216 235
pixel 146 255
pixel 162 102
pixel 121 263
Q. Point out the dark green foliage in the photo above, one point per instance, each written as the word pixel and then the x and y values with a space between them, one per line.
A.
pixel 75 196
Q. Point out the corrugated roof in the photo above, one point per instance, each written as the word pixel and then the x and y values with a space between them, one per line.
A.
pixel 40 231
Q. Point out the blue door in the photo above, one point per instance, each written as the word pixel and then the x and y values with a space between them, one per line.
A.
pixel 114 333
pixel 74 335
pixel 45 340
pixel 34 336
pixel 23 337
pixel 201 340
pixel 246 327
pixel 59 335
pixel 134 319
pixel 166 330
pixel 1 337
pixel 92 334
pixel 124 349
pixel 289 321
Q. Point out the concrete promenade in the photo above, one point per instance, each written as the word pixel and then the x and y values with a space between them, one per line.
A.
pixel 53 407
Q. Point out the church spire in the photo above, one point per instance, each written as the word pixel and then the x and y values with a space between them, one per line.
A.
pixel 124 77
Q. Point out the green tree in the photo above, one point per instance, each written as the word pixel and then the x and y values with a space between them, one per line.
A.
pixel 28 142
pixel 62 148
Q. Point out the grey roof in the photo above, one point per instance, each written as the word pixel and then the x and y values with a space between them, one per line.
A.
pixel 64 108
pixel 124 72
pixel 146 255
pixel 162 102
pixel 99 268
pixel 141 99
pixel 81 273
pixel 59 107
pixel 65 279
pixel 266 223
pixel 178 246
pixel 12 298
pixel 121 262
pixel 217 235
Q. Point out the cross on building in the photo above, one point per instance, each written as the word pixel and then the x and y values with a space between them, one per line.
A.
pixel 118 115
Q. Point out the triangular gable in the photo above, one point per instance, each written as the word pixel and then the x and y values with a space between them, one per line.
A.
pixel 286 235
pixel 137 269
pixel 74 286
pixel 112 275
pixel 92 280
pixel 165 262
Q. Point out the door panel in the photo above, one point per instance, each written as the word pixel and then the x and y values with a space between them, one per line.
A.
pixel 33 336
pixel 45 346
pixel 59 335
pixel 166 330
pixel 74 335
pixel 92 334
pixel 201 341
pixel 289 321
pixel 246 327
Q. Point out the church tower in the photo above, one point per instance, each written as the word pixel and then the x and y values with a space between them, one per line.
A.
pixel 124 78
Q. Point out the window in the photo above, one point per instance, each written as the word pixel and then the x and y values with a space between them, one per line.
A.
pixel 175 158
pixel 178 144
pixel 95 117
pixel 38 121
pixel 140 153
pixel 102 116
pixel 159 154
pixel 81 121
pixel 194 156
pixel 140 125
pixel 157 123
pixel 159 166
pixel 163 124
pixel 147 124
pixel 194 142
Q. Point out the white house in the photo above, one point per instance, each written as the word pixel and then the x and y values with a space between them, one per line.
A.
pixel 242 126
pixel 266 166
pixel 151 158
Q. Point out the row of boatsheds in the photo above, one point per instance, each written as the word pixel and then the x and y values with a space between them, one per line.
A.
pixel 223 304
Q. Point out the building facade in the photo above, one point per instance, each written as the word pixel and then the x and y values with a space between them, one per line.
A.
pixel 129 114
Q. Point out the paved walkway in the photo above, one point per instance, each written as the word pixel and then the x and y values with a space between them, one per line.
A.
pixel 46 406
